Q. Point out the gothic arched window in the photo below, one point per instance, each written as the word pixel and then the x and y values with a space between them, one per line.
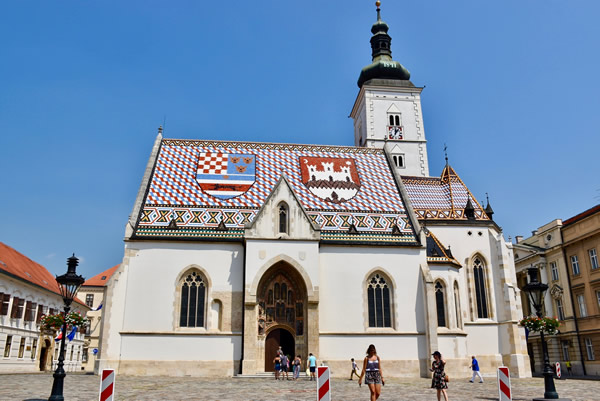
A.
pixel 479 277
pixel 379 300
pixel 283 218
pixel 440 304
pixel 193 300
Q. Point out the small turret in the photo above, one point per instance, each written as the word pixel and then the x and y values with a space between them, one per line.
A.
pixel 488 209
pixel 469 210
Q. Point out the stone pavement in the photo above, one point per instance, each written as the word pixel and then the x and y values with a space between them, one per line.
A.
pixel 85 387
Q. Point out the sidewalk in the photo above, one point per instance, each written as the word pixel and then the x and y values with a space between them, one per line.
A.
pixel 85 387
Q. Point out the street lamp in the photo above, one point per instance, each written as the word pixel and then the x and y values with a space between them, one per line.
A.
pixel 536 291
pixel 69 283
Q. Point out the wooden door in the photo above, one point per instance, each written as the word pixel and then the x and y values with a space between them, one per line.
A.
pixel 271 346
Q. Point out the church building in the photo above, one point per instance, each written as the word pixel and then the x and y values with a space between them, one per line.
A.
pixel 236 248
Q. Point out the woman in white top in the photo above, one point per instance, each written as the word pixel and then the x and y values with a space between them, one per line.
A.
pixel 373 372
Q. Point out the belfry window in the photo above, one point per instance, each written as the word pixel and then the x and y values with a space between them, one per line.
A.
pixel 398 161
pixel 440 304
pixel 193 300
pixel 479 277
pixel 283 218
pixel 379 301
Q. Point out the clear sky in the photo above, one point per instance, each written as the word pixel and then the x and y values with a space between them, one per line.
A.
pixel 512 87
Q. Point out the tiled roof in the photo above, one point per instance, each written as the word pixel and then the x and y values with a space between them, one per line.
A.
pixel 101 279
pixel 198 184
pixel 19 265
pixel 582 215
pixel 436 252
pixel 442 198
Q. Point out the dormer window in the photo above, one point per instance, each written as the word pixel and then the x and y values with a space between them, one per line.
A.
pixel 283 218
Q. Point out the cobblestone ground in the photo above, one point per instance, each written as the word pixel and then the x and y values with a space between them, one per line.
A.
pixel 35 387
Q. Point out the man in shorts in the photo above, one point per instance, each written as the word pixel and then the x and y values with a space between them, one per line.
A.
pixel 312 365
pixel 284 366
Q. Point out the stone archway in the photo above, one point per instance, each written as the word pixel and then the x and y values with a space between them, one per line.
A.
pixel 282 309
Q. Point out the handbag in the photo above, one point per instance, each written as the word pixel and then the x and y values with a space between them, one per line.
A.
pixel 446 378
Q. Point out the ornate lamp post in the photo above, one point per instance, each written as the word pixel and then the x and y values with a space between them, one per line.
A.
pixel 536 290
pixel 69 284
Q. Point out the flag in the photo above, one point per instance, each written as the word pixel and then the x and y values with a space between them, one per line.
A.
pixel 71 335
pixel 98 308
pixel 526 334
pixel 59 336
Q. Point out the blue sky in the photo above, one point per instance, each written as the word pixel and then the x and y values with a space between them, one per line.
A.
pixel 511 86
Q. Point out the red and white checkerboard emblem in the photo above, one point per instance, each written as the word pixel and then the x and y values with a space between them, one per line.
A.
pixel 107 385
pixel 225 175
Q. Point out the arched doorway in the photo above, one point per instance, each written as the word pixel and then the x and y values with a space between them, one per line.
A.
pixel 44 355
pixel 275 339
pixel 282 306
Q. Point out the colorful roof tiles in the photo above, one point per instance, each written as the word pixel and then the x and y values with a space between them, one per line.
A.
pixel 199 184
pixel 442 198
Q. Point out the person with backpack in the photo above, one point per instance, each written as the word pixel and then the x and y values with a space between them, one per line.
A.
pixel 297 363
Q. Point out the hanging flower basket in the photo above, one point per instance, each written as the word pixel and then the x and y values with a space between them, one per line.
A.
pixel 548 325
pixel 55 322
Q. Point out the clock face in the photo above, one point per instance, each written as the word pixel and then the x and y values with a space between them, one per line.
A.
pixel 394 132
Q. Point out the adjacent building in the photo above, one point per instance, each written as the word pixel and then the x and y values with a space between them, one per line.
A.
pixel 565 252
pixel 27 292
pixel 93 292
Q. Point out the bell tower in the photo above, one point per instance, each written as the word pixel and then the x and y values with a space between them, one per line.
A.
pixel 387 111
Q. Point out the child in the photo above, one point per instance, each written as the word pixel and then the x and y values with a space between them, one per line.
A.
pixel 354 369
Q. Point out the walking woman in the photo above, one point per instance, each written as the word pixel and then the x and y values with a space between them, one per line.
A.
pixel 439 376
pixel 297 362
pixel 373 372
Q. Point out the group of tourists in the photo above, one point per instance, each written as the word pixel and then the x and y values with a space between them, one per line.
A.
pixel 372 371
pixel 283 364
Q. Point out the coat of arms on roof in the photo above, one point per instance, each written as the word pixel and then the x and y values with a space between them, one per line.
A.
pixel 329 178
pixel 224 175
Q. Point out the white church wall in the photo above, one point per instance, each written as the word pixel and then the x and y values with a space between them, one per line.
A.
pixel 155 267
pixel 144 310
pixel 181 348
pixel 344 272
pixel 389 347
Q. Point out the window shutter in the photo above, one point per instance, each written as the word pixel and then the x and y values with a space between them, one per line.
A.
pixel 15 307
pixel 40 312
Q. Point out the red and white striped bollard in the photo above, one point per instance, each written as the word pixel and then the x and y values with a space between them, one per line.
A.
pixel 107 385
pixel 504 391
pixel 323 384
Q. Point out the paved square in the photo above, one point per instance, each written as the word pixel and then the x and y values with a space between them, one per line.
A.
pixel 85 387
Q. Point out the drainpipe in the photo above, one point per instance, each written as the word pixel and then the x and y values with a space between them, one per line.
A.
pixel 243 308
pixel 562 249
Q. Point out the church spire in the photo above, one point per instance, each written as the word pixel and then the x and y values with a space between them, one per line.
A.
pixel 383 67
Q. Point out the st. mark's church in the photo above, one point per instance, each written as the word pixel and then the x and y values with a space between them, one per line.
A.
pixel 236 248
